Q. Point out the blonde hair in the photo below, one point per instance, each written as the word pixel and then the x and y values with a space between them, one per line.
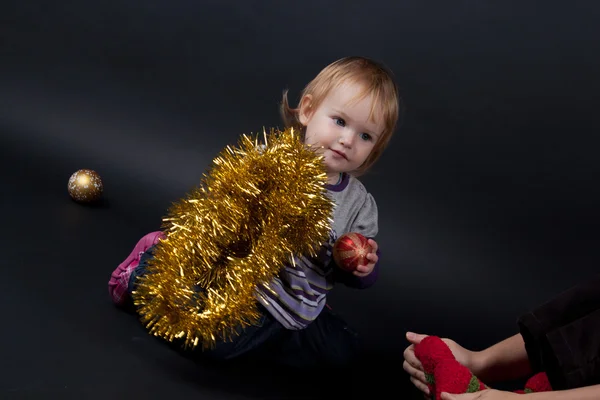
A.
pixel 376 80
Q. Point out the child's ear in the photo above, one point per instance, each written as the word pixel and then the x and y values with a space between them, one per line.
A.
pixel 306 109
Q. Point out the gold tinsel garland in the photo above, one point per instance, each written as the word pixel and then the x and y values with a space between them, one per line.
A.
pixel 259 205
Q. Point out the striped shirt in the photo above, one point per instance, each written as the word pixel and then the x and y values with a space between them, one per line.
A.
pixel 298 294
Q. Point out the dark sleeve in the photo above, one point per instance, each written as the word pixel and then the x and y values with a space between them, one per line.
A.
pixel 353 281
pixel 562 336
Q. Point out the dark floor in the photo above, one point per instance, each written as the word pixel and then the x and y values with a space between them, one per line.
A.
pixel 488 195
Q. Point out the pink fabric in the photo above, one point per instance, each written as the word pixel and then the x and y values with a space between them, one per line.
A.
pixel 119 279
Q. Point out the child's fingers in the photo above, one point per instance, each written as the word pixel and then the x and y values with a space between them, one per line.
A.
pixel 372 257
pixel 373 244
pixel 361 271
pixel 362 268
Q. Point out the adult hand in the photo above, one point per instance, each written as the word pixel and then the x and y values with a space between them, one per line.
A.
pixel 488 394
pixel 413 366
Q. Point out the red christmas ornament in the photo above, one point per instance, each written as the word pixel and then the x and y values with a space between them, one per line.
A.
pixel 350 251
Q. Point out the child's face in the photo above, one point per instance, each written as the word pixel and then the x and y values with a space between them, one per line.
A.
pixel 342 128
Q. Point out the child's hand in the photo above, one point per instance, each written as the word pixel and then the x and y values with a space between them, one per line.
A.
pixel 364 270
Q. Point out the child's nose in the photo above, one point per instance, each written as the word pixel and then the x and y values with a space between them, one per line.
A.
pixel 347 138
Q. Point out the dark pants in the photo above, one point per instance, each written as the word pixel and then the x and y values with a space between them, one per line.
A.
pixel 562 336
pixel 327 342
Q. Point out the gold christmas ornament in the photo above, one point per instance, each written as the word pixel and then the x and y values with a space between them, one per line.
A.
pixel 259 205
pixel 85 186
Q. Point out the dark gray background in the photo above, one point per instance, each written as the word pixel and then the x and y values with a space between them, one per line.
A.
pixel 487 194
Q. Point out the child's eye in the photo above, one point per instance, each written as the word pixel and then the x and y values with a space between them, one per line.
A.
pixel 339 121
pixel 365 136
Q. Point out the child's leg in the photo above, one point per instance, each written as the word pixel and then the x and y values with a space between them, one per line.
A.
pixel 328 342
pixel 249 341
pixel 119 279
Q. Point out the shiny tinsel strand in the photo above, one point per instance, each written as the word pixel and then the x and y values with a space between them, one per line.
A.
pixel 258 206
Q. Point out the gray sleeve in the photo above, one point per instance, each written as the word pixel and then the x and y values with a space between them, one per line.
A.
pixel 364 223
pixel 366 219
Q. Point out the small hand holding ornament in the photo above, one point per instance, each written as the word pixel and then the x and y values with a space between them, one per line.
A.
pixel 355 253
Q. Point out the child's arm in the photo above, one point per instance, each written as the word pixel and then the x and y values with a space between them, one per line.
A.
pixel 365 222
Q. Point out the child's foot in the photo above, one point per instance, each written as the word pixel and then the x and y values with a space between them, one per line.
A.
pixel 119 280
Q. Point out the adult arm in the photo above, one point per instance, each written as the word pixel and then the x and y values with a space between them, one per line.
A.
pixel 505 360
